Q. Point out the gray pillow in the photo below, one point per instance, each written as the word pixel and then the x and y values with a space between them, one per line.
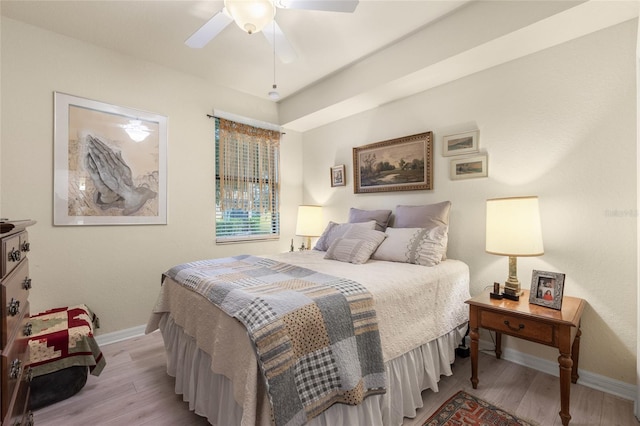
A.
pixel 421 246
pixel 380 216
pixel 356 246
pixel 337 230
pixel 425 216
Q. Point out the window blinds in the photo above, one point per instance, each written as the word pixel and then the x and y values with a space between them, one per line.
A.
pixel 247 186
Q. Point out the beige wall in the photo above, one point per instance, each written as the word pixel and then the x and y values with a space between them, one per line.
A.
pixel 560 124
pixel 116 269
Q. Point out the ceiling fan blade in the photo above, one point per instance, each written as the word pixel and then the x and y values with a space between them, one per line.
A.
pixel 284 49
pixel 347 6
pixel 209 30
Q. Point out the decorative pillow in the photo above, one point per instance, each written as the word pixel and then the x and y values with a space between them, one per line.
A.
pixel 356 246
pixel 380 216
pixel 421 246
pixel 425 216
pixel 337 230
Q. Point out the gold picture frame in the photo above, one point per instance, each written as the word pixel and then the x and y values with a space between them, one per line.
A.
pixel 402 164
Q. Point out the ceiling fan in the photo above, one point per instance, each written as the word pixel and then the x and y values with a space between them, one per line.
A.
pixel 253 16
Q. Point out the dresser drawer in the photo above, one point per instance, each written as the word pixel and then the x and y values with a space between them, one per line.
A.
pixel 19 414
pixel 15 293
pixel 12 370
pixel 519 327
pixel 12 252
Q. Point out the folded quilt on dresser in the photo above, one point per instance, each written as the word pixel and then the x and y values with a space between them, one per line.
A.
pixel 315 335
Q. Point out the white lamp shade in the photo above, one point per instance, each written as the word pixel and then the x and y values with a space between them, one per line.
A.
pixel 513 227
pixel 309 223
pixel 251 15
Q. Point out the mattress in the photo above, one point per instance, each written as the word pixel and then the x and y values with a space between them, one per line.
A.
pixel 420 310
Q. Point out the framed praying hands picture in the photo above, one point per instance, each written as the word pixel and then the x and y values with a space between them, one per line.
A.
pixel 110 164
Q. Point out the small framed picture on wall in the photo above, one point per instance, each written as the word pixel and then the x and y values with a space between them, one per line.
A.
pixel 338 177
pixel 468 167
pixel 460 144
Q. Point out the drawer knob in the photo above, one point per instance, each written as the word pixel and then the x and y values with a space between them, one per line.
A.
pixel 26 284
pixel 26 246
pixel 28 329
pixel 14 307
pixel 29 375
pixel 14 255
pixel 29 420
pixel 16 366
pixel 510 327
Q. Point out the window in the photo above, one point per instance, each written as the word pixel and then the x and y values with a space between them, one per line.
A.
pixel 247 182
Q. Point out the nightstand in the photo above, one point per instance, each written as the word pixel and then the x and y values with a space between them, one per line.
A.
pixel 559 329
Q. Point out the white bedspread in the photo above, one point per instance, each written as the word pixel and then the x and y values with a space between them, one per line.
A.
pixel 414 304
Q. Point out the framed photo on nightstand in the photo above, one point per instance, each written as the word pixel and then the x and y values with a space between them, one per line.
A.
pixel 547 289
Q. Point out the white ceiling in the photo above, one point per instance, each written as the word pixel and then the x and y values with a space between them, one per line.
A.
pixel 156 30
pixel 347 62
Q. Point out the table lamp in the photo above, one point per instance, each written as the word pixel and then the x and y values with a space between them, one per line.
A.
pixel 309 223
pixel 513 229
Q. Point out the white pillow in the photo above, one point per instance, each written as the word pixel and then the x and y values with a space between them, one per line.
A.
pixel 357 245
pixel 424 216
pixel 337 230
pixel 421 246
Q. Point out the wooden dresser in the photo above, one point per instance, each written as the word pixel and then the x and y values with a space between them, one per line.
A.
pixel 14 341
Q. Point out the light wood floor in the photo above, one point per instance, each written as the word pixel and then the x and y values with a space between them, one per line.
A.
pixel 134 389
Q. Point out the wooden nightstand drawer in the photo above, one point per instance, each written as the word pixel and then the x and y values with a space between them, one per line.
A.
pixel 520 327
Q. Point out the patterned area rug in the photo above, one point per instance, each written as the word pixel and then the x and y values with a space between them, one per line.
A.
pixel 465 409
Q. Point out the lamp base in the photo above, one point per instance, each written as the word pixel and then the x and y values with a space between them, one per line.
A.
pixel 511 296
pixel 512 290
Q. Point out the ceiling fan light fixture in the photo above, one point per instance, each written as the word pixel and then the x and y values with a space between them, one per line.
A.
pixel 136 130
pixel 251 15
pixel 284 4
pixel 274 95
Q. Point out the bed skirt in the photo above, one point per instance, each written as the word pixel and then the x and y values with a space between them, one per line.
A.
pixel 211 395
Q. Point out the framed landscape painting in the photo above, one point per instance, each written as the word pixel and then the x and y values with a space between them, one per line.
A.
pixel 110 164
pixel 402 164
pixel 468 167
pixel 460 144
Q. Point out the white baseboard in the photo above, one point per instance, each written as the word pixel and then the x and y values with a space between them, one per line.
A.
pixel 592 380
pixel 118 336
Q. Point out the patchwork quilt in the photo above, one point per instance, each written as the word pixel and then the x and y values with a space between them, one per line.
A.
pixel 315 335
pixel 62 338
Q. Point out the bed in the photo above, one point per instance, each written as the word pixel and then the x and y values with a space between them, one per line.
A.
pixel 420 318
